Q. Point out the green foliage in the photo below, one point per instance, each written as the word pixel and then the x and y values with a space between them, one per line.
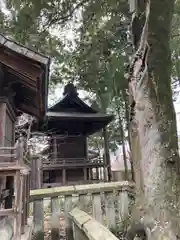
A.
pixel 96 62
pixel 38 236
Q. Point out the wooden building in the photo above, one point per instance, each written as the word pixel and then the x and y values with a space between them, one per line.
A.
pixel 37 168
pixel 68 124
pixel 23 88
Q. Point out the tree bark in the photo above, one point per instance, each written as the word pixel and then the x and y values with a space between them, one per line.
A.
pixel 157 206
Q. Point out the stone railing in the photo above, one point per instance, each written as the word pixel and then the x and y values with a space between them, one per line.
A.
pixel 84 227
pixel 108 203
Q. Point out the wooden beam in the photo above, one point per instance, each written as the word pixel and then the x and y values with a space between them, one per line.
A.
pixel 7 212
pixel 33 111
pixel 4 155
pixel 18 64
pixel 11 166
pixel 7 173
pixel 7 148
pixel 31 83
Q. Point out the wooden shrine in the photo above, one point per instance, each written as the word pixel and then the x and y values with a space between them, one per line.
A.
pixel 68 124
pixel 23 88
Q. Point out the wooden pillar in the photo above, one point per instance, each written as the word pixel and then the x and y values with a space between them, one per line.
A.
pixel 86 150
pixel 93 173
pixel 2 122
pixel 18 205
pixel 28 195
pixel 105 177
pixel 54 149
pixel 97 174
pixel 35 176
pixel 41 172
pixel 85 173
pixel 87 170
pixel 64 176
pixel 33 173
pixel 24 203
pixel 38 177
pixel 101 174
pixel 89 173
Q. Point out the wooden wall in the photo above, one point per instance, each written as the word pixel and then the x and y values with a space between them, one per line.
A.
pixel 76 174
pixel 71 147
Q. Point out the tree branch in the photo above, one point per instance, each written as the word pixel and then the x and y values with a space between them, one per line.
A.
pixel 57 19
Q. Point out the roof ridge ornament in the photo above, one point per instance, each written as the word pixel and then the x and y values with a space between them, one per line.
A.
pixel 70 90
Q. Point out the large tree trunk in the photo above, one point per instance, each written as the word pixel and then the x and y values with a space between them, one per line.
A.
pixel 157 206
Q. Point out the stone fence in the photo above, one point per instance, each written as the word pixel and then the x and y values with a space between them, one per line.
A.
pixel 84 227
pixel 107 203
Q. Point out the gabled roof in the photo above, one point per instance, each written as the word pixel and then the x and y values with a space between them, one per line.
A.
pixel 28 73
pixel 71 102
pixel 72 116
